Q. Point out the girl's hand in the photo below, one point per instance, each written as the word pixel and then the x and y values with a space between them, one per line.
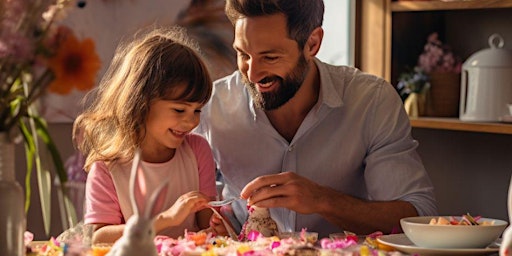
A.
pixel 184 206
pixel 217 226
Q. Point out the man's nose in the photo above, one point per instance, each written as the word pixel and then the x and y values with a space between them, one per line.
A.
pixel 254 71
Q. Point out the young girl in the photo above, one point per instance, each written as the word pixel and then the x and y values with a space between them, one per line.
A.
pixel 150 98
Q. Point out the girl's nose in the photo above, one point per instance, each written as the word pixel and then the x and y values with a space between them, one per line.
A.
pixel 191 120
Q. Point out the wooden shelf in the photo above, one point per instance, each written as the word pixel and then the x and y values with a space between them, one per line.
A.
pixel 438 5
pixel 458 125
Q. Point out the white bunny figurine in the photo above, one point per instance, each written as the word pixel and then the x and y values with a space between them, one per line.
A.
pixel 138 235
pixel 506 241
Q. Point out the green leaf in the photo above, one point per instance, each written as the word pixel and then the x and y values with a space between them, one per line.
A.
pixel 29 158
pixel 44 183
pixel 42 131
pixel 69 213
pixel 43 179
pixel 67 210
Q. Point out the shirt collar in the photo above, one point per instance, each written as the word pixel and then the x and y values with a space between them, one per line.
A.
pixel 328 93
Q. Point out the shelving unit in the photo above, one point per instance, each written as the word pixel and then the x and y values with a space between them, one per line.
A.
pixel 406 6
pixel 456 154
pixel 455 124
pixel 394 32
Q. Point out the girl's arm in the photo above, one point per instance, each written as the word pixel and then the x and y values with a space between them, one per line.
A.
pixel 106 233
pixel 189 203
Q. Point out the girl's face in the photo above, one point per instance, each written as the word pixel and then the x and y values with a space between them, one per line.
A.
pixel 167 124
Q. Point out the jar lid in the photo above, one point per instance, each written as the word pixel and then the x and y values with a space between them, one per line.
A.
pixel 495 56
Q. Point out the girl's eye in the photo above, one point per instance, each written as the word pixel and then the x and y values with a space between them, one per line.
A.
pixel 179 110
pixel 197 111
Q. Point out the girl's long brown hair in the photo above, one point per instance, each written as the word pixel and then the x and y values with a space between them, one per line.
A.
pixel 142 70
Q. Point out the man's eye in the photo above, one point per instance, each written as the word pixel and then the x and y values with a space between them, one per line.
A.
pixel 243 56
pixel 179 110
pixel 271 58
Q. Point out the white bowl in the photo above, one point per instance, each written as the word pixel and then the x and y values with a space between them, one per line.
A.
pixel 423 234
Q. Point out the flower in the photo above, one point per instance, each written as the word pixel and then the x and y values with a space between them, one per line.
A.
pixel 75 64
pixel 438 57
pixel 412 81
pixel 34 53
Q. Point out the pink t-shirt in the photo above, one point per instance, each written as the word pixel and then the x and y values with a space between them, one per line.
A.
pixel 192 168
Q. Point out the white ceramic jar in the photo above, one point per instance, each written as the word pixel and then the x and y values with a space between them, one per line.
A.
pixel 486 83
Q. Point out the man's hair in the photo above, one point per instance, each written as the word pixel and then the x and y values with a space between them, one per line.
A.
pixel 302 16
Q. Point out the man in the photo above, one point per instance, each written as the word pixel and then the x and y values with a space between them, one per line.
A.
pixel 325 148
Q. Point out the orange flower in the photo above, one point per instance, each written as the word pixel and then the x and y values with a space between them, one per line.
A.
pixel 75 64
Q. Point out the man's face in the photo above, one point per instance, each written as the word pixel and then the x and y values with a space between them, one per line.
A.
pixel 272 66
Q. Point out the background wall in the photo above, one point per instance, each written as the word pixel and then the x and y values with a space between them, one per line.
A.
pixel 471 171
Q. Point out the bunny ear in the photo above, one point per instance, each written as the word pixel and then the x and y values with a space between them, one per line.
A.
pixel 137 185
pixel 157 200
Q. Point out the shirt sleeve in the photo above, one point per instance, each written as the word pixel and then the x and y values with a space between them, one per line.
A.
pixel 394 170
pixel 101 202
pixel 205 163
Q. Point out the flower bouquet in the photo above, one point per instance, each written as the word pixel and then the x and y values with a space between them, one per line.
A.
pixel 36 54
pixel 435 80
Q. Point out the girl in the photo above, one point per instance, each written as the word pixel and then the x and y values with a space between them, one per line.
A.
pixel 150 98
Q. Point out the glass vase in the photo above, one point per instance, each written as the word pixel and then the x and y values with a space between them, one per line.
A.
pixel 12 212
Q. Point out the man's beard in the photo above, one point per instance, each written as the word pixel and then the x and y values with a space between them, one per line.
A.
pixel 286 89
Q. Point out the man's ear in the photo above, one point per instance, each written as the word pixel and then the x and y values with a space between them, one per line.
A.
pixel 314 41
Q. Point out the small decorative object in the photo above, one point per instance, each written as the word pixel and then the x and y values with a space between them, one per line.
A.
pixel 31 61
pixel 413 86
pixel 432 88
pixel 259 220
pixel 443 69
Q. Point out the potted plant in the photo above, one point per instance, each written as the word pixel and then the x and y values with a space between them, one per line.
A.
pixel 438 68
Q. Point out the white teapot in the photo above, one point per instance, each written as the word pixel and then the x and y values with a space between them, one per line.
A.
pixel 486 83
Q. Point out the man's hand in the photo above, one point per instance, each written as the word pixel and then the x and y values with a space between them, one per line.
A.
pixel 287 190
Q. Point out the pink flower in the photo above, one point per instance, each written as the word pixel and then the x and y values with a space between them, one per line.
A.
pixel 16 46
pixel 437 57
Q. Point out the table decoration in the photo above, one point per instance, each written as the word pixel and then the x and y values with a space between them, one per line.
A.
pixel 208 244
pixel 434 83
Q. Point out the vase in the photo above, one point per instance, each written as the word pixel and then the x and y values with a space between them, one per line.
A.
pixel 12 212
pixel 415 105
pixel 444 95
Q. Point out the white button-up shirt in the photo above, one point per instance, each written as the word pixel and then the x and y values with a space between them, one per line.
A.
pixel 356 140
